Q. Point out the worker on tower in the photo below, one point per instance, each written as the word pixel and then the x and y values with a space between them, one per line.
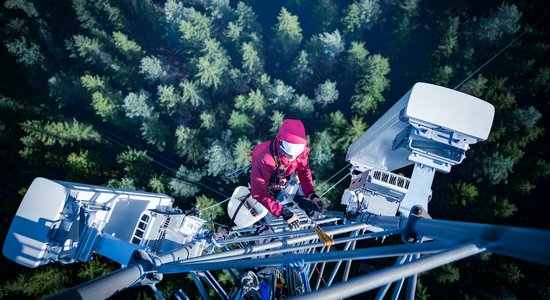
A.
pixel 275 163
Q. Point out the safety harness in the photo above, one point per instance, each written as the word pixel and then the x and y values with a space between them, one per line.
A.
pixel 278 178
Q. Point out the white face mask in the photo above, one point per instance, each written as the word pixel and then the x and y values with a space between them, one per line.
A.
pixel 292 149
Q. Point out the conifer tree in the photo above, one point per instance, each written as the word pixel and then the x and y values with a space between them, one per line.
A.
pixel 280 95
pixel 183 185
pixel 369 89
pixel 321 157
pixel 301 69
pixel 288 33
pixel 276 119
pixel 240 122
pixel 356 59
pixel 501 23
pixel 192 93
pixel 326 93
pixel 242 152
pixel 326 12
pixel 188 144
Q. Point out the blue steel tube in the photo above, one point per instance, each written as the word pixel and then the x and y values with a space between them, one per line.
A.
pixel 382 292
pixel 382 277
pixel 366 253
pixel 105 286
pixel 523 243
pixel 411 282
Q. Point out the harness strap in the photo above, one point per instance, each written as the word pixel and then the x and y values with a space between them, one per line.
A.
pixel 276 177
pixel 238 208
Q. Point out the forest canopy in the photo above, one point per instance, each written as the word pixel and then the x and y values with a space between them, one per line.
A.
pixel 171 97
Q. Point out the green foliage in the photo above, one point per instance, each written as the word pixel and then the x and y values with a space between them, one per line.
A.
pixel 498 93
pixel 169 98
pixel 327 47
pixel 136 163
pixel 26 53
pixel 369 89
pixel 475 87
pixel 326 15
pixel 321 156
pixel 155 133
pixel 361 15
pixel 122 183
pixel 92 82
pixel 84 47
pixel 180 72
pixel 512 273
pixel 220 160
pixel 326 93
pixel 17 26
pixel 352 20
pixel 421 291
pixel 42 282
pixel 353 132
pixel 448 274
pixel 336 124
pixel 288 33
pixel 125 45
pixel 65 89
pixel 242 152
pixel 157 184
pixel 192 93
pixel 195 28
pixel 26 6
pixel 407 11
pixel 95 268
pixel 212 66
pixel 251 59
pixel 449 38
pixel 302 106
pixel 301 69
pixel 277 119
pixel 203 202
pixel 106 105
pixel 208 120
pixel 153 69
pixel 501 208
pixel 463 194
pixel 443 75
pixel 356 59
pixel 495 168
pixel 92 51
pixel 541 80
pixel 59 133
pixel 219 9
pixel 137 106
pixel 183 184
pixel 245 28
pixel 280 94
pixel 188 144
pixel 254 103
pixel 499 24
pixel 240 122
pixel 81 166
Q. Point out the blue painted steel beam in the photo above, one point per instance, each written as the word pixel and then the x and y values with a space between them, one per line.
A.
pixel 382 277
pixel 367 253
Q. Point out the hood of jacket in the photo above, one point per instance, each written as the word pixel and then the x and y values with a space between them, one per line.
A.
pixel 292 131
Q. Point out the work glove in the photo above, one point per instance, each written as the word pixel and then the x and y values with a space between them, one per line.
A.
pixel 291 219
pixel 320 202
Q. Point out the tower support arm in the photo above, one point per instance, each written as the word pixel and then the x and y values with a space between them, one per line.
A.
pixel 382 277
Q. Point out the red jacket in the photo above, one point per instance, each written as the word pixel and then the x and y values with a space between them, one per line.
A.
pixel 264 166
